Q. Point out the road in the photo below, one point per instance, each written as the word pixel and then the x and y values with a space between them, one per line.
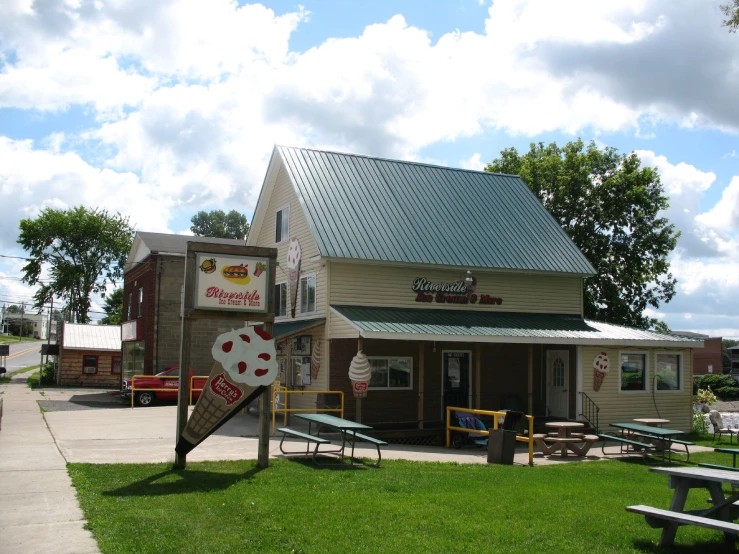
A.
pixel 22 355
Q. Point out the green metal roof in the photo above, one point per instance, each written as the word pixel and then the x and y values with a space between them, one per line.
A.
pixel 376 209
pixel 289 328
pixel 476 326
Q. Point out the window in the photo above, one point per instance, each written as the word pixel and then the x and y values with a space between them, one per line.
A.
pixel 308 294
pixel 128 309
pixel 133 359
pixel 141 302
pixel 115 365
pixel 280 299
pixel 633 371
pixel 667 368
pixel 89 364
pixel 391 373
pixel 282 224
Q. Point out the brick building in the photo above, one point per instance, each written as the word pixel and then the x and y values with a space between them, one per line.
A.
pixel 152 301
pixel 708 359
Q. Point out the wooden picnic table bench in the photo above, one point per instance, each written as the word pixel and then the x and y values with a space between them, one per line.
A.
pixel 287 432
pixel 682 479
pixel 551 444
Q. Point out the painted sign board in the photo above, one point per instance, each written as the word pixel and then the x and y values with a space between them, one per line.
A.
pixel 231 283
pixel 130 330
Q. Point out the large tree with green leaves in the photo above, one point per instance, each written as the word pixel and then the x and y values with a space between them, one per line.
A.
pixel 609 205
pixel 731 11
pixel 85 249
pixel 113 308
pixel 218 224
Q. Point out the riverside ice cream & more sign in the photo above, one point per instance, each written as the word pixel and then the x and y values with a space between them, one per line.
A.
pixel 245 363
pixel 234 283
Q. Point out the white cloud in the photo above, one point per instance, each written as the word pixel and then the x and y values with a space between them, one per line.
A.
pixel 725 214
pixel 473 162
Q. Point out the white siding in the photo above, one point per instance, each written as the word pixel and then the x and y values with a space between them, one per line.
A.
pixel 380 285
pixel 618 406
pixel 283 194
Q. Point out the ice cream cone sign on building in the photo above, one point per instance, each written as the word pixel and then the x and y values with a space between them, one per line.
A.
pixel 360 373
pixel 293 267
pixel 600 369
pixel 245 363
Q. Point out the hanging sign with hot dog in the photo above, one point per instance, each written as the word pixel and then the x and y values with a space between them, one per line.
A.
pixel 231 283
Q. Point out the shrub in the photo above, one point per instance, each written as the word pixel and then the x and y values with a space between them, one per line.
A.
pixel 727 393
pixel 714 381
pixel 704 396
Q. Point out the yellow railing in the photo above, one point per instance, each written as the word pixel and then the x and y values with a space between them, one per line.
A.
pixel 134 389
pixel 495 415
pixel 285 403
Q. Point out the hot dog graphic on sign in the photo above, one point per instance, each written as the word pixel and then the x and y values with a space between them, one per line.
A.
pixel 245 364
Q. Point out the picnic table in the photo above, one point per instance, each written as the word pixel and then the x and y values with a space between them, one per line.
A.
pixel 720 516
pixel 347 429
pixel 732 451
pixel 565 440
pixel 660 438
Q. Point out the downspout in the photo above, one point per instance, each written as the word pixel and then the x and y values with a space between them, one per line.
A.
pixel 157 315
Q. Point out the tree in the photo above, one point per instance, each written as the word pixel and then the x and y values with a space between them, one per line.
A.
pixel 113 308
pixel 731 11
pixel 608 204
pixel 218 224
pixel 85 250
pixel 14 309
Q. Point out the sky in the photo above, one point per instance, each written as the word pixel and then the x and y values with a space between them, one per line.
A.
pixel 160 109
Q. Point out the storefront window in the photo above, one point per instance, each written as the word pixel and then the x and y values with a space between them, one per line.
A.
pixel 280 299
pixel 391 373
pixel 133 359
pixel 667 369
pixel 633 371
pixel 308 294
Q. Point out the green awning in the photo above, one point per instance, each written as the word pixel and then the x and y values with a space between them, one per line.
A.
pixel 283 330
pixel 500 327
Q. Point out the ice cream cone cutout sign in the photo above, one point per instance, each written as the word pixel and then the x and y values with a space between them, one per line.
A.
pixel 600 369
pixel 360 374
pixel 245 364
pixel 293 267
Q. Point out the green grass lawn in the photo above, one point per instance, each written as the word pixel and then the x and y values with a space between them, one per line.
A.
pixel 9 339
pixel 401 507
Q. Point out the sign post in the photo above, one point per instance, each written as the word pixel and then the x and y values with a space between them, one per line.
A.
pixel 232 283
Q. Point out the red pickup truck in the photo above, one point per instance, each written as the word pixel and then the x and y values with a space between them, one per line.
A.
pixel 167 382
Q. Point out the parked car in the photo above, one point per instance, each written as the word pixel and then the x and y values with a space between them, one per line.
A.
pixel 164 381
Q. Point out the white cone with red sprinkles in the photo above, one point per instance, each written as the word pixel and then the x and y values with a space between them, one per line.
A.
pixel 246 363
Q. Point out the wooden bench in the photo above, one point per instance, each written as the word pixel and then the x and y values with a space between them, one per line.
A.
pixel 287 432
pixel 550 444
pixel 353 437
pixel 646 447
pixel 658 518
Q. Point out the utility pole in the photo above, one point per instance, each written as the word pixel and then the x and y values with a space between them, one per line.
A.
pixel 20 333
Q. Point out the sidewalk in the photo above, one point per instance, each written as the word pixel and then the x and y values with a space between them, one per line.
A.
pixel 39 512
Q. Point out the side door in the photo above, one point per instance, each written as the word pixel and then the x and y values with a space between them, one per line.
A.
pixel 456 366
pixel 558 364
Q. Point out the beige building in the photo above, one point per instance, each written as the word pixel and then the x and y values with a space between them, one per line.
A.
pixel 460 288
pixel 90 355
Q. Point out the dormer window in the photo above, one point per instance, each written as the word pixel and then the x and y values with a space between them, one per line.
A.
pixel 282 224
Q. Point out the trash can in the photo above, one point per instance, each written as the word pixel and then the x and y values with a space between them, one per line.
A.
pixel 502 442
pixel 501 446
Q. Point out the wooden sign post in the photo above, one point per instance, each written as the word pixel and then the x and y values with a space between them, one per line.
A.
pixel 216 276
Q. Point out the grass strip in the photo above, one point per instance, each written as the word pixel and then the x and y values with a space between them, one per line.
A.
pixel 400 507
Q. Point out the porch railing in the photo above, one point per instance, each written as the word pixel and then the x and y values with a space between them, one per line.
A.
pixel 590 412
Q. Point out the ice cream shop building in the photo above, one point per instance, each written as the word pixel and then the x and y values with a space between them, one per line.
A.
pixel 460 289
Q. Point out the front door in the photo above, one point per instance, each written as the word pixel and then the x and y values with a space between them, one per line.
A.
pixel 456 378
pixel 558 363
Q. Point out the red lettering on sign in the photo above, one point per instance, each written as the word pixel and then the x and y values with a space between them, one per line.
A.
pixel 226 390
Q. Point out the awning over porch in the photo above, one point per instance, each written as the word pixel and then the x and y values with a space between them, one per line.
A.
pixel 501 327
pixel 287 329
